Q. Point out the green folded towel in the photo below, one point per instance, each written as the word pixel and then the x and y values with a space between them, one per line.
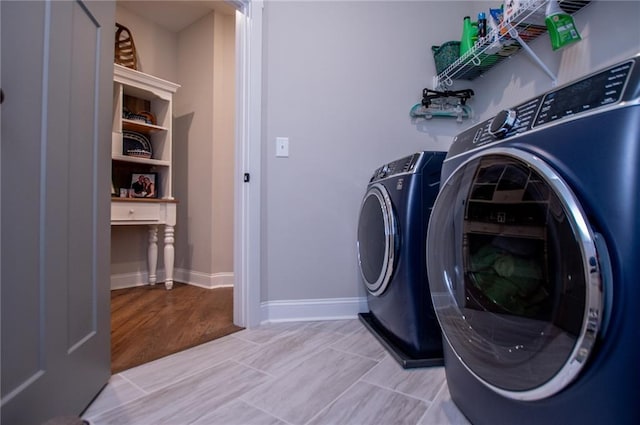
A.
pixel 513 283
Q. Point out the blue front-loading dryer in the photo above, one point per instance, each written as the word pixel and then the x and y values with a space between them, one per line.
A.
pixel 392 227
pixel 533 250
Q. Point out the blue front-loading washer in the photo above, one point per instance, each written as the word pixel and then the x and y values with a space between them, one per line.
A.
pixel 392 227
pixel 532 253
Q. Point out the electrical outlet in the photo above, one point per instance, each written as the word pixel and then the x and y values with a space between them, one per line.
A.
pixel 282 147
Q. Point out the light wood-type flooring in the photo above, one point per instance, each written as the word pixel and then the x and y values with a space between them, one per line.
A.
pixel 330 372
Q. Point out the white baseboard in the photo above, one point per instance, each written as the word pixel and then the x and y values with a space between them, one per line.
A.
pixel 129 280
pixel 311 310
pixel 203 280
pixel 271 311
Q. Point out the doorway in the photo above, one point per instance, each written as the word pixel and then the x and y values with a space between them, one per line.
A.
pixel 198 208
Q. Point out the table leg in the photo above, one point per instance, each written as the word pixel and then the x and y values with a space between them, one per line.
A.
pixel 152 253
pixel 168 255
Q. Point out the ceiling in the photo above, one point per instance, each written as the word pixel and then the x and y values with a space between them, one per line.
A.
pixel 175 15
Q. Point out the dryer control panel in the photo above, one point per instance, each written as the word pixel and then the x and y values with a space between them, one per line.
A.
pixel 592 93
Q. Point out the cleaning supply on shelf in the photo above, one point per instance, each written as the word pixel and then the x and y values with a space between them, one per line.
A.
pixel 562 29
pixel 482 25
pixel 469 35
pixel 511 9
pixel 493 36
pixel 497 15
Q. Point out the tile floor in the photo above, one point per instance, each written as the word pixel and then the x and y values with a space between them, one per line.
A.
pixel 331 372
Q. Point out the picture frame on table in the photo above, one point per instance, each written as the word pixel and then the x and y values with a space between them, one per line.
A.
pixel 144 185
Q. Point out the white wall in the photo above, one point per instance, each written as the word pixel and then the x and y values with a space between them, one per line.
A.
pixel 204 150
pixel 224 106
pixel 193 145
pixel 156 46
pixel 339 81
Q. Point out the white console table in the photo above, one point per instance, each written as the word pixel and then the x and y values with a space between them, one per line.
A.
pixel 152 213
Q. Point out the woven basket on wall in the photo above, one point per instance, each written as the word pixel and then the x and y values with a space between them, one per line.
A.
pixel 125 48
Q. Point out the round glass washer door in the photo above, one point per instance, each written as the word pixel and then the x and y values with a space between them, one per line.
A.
pixel 514 274
pixel 377 238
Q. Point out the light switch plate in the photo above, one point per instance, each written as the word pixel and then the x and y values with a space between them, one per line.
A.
pixel 282 147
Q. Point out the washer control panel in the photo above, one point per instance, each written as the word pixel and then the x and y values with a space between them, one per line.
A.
pixel 502 123
pixel 601 89
pixel 399 166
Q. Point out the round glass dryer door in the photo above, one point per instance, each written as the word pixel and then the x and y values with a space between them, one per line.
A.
pixel 514 274
pixel 377 236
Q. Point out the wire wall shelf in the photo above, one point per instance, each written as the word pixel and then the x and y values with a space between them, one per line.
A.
pixel 504 41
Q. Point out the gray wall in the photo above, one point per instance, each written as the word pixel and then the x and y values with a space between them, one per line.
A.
pixel 339 79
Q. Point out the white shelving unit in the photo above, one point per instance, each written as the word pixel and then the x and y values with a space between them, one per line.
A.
pixel 156 96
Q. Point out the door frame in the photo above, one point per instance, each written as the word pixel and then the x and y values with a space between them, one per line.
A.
pixel 248 151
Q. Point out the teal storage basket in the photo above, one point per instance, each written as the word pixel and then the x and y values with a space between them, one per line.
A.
pixel 445 54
